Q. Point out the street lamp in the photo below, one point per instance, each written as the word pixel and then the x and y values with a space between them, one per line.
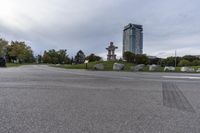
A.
pixel 175 59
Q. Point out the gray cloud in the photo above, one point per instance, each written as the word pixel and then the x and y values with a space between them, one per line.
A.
pixel 90 25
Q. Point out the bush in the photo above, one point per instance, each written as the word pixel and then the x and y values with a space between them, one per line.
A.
pixel 129 56
pixel 184 62
pixel 169 61
pixel 141 59
pixel 93 58
pixel 190 58
pixel 156 61
pixel 196 63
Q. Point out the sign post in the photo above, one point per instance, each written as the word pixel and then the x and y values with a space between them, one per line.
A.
pixel 86 62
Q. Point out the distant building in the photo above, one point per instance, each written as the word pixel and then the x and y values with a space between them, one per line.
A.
pixel 133 38
pixel 111 52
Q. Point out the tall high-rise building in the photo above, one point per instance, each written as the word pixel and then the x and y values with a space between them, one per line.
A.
pixel 133 38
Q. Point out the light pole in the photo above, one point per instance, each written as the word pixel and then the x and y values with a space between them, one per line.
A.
pixel 175 59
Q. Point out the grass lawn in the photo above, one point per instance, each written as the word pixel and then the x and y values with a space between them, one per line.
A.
pixel 17 64
pixel 13 65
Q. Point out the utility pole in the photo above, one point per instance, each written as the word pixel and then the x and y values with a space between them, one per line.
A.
pixel 175 59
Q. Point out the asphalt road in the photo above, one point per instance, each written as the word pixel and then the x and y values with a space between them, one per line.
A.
pixel 41 99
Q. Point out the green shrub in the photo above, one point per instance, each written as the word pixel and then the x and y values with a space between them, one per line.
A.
pixel 184 62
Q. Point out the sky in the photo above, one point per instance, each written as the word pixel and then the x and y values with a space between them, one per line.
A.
pixel 90 25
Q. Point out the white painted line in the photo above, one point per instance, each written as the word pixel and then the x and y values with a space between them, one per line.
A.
pixel 181 77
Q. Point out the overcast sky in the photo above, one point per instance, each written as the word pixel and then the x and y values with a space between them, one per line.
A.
pixel 91 24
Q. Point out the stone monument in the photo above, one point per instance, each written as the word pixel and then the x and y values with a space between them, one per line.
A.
pixel 111 52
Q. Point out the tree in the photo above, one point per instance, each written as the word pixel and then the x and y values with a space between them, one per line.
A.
pixel 129 57
pixel 80 57
pixel 72 60
pixel 63 57
pixel 141 59
pixel 190 58
pixel 169 61
pixel 46 57
pixel 20 52
pixel 184 62
pixel 155 61
pixel 93 57
pixel 39 59
pixel 53 56
pixel 3 47
pixel 56 57
pixel 196 63
pixel 161 62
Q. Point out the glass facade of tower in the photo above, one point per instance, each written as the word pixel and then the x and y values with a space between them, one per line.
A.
pixel 133 38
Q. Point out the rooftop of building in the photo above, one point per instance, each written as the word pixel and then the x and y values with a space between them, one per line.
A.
pixel 133 25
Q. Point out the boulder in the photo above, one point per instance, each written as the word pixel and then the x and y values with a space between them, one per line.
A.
pixel 169 69
pixel 118 66
pixel 198 70
pixel 187 69
pixel 154 67
pixel 139 67
pixel 99 67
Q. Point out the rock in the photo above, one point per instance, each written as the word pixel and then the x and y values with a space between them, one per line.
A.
pixel 118 67
pixel 139 67
pixel 187 69
pixel 99 67
pixel 169 69
pixel 154 67
pixel 198 70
